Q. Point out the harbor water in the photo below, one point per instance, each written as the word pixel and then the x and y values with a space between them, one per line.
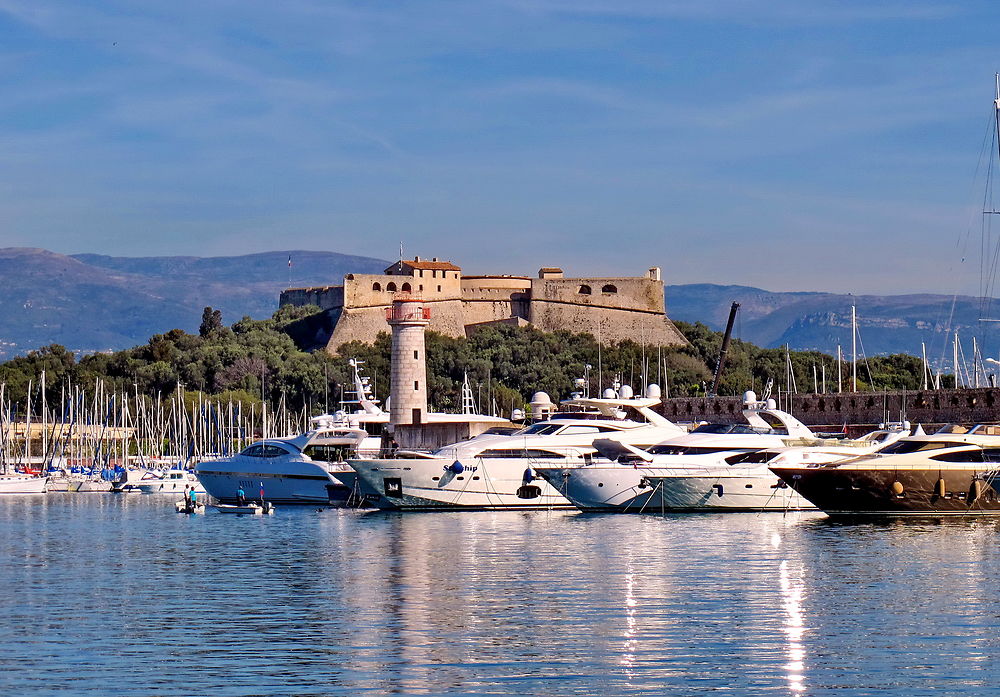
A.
pixel 118 595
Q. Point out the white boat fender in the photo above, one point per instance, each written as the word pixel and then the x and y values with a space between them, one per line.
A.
pixel 941 488
pixel 976 490
pixel 457 467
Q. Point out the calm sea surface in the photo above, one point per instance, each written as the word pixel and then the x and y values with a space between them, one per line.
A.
pixel 118 595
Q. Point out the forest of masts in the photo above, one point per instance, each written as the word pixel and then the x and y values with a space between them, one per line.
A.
pixel 101 429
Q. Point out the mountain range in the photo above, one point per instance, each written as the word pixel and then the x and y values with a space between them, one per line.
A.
pixel 90 302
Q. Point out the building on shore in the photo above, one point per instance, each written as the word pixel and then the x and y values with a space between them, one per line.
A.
pixel 611 309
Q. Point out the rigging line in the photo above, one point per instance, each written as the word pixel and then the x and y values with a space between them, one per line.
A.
pixel 961 243
pixel 861 344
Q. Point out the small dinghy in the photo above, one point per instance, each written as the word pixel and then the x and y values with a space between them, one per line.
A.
pixel 184 506
pixel 267 508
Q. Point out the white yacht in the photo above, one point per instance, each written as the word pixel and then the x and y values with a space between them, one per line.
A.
pixel 714 466
pixel 309 468
pixel 174 481
pixel 495 470
pixel 742 481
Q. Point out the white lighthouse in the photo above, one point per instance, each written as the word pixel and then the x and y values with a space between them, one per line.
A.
pixel 408 318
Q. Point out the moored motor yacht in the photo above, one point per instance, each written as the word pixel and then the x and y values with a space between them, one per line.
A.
pixel 943 473
pixel 174 481
pixel 308 468
pixel 495 470
pixel 683 471
pixel 742 481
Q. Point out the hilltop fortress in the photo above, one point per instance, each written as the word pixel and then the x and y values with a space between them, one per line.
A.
pixel 609 308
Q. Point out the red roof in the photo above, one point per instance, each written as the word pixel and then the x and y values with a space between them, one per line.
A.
pixel 436 265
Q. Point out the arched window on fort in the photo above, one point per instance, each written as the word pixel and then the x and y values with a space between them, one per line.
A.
pixel 391 287
pixel 584 290
pixel 376 286
pixel 609 289
pixel 406 288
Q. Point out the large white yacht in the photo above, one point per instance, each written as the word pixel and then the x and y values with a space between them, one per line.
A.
pixel 713 466
pixel 742 481
pixel 308 468
pixel 495 470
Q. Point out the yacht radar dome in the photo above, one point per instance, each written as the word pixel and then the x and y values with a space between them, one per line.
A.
pixel 609 393
pixel 653 391
pixel 626 392
pixel 771 404
pixel 541 398
pixel 749 397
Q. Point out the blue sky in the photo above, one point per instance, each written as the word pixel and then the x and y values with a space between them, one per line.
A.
pixel 786 144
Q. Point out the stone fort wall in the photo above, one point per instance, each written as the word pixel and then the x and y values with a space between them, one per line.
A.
pixel 613 309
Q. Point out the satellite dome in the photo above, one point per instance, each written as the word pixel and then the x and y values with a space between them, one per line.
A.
pixel 749 396
pixel 771 404
pixel 609 393
pixel 541 398
pixel 625 392
pixel 653 391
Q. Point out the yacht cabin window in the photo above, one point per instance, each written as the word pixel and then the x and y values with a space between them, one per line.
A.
pixel 666 449
pixel 912 446
pixel 576 430
pixel 520 453
pixel 731 428
pixel 974 455
pixel 751 457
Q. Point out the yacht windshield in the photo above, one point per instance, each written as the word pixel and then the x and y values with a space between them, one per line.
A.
pixel 731 428
pixel 264 450
pixel 542 429
pixel 953 428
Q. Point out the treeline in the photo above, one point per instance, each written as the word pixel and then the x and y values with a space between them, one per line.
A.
pixel 257 360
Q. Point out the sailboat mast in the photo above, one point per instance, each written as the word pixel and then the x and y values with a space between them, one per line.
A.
pixel 854 349
pixel 996 113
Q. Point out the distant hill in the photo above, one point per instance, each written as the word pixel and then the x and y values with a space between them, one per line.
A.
pixel 89 302
pixel 819 321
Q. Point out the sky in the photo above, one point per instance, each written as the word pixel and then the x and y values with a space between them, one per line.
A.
pixel 784 144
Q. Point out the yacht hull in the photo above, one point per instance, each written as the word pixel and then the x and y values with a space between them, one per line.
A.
pixel 597 488
pixel 873 491
pixel 314 487
pixel 728 493
pixel 14 484
pixel 426 484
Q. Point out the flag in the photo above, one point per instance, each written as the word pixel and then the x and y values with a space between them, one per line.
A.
pixel 289 261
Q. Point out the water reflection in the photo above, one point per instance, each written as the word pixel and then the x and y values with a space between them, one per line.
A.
pixel 341 602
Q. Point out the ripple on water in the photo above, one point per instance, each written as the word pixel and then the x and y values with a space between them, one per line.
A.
pixel 118 595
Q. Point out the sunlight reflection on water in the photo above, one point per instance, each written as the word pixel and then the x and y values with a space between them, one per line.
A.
pixel 119 595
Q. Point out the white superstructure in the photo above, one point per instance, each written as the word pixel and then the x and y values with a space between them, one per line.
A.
pixel 496 470
pixel 716 466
